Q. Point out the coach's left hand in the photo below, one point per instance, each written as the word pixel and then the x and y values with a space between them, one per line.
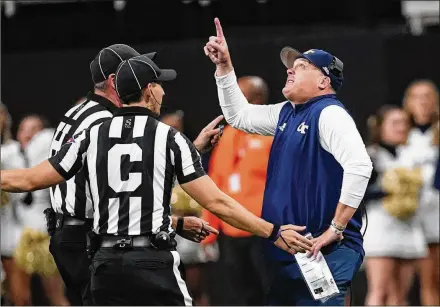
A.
pixel 209 136
pixel 323 240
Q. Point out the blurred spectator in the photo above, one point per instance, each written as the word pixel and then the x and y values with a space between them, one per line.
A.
pixel 34 136
pixel 31 254
pixel 174 120
pixel 191 253
pixel 421 101
pixel 5 124
pixel 394 239
pixel 437 171
pixel 29 127
pixel 238 166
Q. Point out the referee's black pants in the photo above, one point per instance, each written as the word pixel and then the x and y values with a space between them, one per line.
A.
pixel 68 248
pixel 140 276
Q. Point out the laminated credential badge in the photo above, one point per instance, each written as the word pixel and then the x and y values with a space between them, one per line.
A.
pixel 317 275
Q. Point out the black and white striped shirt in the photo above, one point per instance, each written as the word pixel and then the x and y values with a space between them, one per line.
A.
pixel 73 196
pixel 132 162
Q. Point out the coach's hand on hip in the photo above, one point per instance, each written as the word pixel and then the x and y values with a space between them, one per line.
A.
pixel 291 241
pixel 217 50
pixel 325 239
pixel 209 136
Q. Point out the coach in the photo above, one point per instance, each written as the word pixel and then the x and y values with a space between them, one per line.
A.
pixel 318 167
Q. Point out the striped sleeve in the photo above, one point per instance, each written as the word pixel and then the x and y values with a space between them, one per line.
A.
pixel 185 158
pixel 70 159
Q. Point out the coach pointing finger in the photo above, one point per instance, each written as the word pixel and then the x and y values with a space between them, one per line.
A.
pixel 318 166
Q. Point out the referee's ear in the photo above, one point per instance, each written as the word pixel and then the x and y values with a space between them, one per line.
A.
pixel 111 86
pixel 146 91
pixel 111 81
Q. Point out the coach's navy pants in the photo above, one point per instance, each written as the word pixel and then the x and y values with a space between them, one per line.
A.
pixel 289 287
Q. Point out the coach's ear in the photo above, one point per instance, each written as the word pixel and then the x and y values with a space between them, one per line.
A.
pixel 324 82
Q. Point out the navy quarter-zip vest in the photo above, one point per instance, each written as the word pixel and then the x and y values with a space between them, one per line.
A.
pixel 303 179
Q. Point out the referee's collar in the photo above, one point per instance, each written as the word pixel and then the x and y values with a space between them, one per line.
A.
pixel 134 111
pixel 102 101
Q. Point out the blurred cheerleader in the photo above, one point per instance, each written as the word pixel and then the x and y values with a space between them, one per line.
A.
pixel 35 136
pixel 394 238
pixel 25 241
pixel 421 101
pixel 17 292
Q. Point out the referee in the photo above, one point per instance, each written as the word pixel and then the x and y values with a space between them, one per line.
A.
pixel 71 216
pixel 132 161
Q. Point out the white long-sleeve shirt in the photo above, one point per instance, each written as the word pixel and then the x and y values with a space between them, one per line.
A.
pixel 337 134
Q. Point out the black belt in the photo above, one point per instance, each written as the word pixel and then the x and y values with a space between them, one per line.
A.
pixel 71 221
pixel 125 241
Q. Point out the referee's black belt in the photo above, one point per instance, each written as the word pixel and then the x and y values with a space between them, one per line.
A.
pixel 125 241
pixel 67 220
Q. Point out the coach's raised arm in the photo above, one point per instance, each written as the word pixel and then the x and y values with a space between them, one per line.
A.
pixel 318 166
pixel 259 119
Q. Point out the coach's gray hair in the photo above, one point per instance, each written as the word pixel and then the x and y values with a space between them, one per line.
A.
pixel 101 86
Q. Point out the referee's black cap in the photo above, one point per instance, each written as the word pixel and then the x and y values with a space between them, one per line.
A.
pixel 136 73
pixel 108 59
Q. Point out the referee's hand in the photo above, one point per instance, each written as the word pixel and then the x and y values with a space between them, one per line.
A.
pixel 291 241
pixel 209 136
pixel 196 229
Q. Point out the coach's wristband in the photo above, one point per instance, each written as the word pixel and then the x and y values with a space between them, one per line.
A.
pixel 276 232
pixel 336 230
pixel 179 225
pixel 338 227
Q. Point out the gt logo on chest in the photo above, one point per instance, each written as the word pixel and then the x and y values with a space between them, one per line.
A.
pixel 302 128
